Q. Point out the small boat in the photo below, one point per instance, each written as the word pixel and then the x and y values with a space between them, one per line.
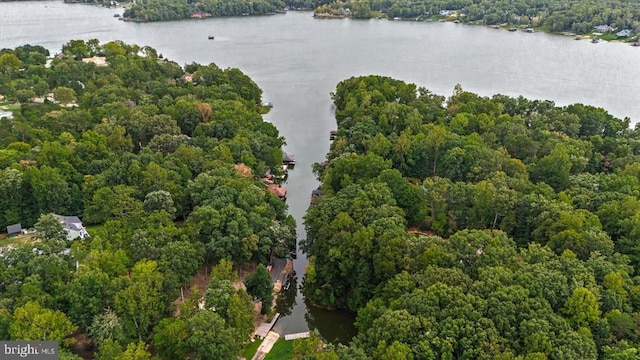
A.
pixel 211 37
pixel 116 15
pixel 635 43
pixel 497 27
pixel 529 30
pixel 578 37
pixel 512 29
pixel 595 40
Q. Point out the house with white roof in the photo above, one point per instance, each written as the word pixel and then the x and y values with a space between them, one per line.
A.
pixel 73 226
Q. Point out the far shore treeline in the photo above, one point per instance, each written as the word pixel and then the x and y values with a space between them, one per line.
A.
pixel 581 17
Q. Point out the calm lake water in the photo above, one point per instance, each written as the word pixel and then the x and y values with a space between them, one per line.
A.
pixel 298 60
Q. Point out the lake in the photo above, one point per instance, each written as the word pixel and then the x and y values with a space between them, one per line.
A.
pixel 298 60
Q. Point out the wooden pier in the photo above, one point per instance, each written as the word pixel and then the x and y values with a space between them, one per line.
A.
pixel 302 335
pixel 264 328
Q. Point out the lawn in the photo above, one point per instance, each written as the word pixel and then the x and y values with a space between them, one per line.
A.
pixel 282 350
pixel 251 349
pixel 16 240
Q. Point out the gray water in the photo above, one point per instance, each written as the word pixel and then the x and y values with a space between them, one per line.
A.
pixel 298 60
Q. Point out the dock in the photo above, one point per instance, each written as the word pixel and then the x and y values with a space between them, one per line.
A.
pixel 302 335
pixel 265 328
pixel 332 134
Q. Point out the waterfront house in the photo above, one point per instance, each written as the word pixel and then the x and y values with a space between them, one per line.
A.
pixel 605 28
pixel 623 33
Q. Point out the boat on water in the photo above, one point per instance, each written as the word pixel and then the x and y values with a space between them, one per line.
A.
pixel 635 43
pixel 512 29
pixel 211 37
pixel 595 40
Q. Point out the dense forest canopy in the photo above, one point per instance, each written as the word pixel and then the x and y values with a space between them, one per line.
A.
pixel 477 227
pixel 167 162
pixel 161 10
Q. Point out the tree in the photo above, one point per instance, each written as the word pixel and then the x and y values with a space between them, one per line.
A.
pixel 205 111
pixel 49 227
pixel 169 338
pixel 260 285
pixel 240 315
pixel 218 296
pixel 140 304
pixel 9 62
pixel 87 295
pixel 581 307
pixel 109 350
pixel 64 95
pixel 106 327
pixel 210 338
pixel 160 200
pixel 136 351
pixel 34 322
pixel 554 169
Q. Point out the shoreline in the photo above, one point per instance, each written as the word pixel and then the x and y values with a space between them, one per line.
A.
pixel 633 41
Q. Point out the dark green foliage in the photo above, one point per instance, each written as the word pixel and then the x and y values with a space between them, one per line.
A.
pixel 260 286
pixel 175 9
pixel 535 208
pixel 148 157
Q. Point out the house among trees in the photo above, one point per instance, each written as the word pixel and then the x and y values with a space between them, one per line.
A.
pixel 623 33
pixel 98 60
pixel 604 28
pixel 278 191
pixel 14 229
pixel 73 226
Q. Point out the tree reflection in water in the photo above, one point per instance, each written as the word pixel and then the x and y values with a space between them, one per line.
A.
pixel 286 297
pixel 334 326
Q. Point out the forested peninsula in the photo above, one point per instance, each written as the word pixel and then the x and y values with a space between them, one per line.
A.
pixel 167 168
pixel 476 227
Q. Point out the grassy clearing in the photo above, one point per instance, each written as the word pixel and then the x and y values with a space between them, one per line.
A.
pixel 16 240
pixel 609 37
pixel 251 349
pixel 282 350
